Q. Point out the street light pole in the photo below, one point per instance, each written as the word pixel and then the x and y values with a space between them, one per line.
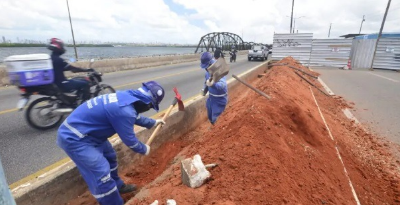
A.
pixel 329 34
pixel 361 24
pixel 380 34
pixel 72 31
pixel 291 18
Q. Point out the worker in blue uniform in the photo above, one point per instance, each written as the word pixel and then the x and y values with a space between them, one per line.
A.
pixel 218 92
pixel 84 137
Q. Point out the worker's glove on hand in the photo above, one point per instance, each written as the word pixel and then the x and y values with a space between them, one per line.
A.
pixel 159 121
pixel 147 150
pixel 209 82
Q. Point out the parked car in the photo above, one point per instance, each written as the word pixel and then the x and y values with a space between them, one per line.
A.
pixel 258 52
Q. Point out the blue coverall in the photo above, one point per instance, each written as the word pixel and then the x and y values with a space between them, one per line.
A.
pixel 83 136
pixel 217 100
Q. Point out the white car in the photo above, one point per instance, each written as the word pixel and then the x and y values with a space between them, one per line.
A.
pixel 257 51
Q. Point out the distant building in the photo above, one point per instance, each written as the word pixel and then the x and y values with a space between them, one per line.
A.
pixel 4 39
pixel 375 36
pixel 351 35
pixel 371 36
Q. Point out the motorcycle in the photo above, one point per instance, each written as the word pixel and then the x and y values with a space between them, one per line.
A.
pixel 233 56
pixel 47 112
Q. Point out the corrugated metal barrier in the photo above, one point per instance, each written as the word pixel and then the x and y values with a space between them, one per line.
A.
pixel 330 52
pixel 297 45
pixel 388 54
pixel 362 52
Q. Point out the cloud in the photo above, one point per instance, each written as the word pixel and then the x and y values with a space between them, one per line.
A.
pixel 182 21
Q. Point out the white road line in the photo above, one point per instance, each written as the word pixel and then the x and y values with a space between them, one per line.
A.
pixel 328 90
pixel 350 115
pixel 337 151
pixel 396 81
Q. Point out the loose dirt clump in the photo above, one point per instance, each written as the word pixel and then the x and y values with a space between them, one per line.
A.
pixel 276 151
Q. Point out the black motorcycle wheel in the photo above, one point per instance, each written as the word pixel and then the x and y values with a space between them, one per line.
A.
pixel 39 116
pixel 104 89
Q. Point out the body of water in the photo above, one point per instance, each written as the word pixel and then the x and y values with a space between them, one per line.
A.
pixel 85 53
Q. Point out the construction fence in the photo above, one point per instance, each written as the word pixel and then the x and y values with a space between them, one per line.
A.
pixel 337 53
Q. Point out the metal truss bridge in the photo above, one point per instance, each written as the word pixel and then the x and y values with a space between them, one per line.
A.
pixel 225 40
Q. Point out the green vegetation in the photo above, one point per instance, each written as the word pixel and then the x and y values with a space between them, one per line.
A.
pixel 97 45
pixel 22 45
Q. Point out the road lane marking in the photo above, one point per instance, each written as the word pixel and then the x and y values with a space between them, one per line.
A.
pixel 396 81
pixel 114 138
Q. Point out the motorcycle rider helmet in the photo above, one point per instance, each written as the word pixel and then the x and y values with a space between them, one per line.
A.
pixel 206 60
pixel 157 93
pixel 56 45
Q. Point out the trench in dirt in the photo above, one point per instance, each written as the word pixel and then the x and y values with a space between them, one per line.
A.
pixel 274 151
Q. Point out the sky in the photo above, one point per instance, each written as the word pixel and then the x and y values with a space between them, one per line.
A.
pixel 186 21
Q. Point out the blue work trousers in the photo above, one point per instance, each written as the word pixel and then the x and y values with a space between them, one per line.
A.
pixel 98 167
pixel 215 107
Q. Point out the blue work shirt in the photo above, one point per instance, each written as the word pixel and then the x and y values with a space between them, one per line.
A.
pixel 219 88
pixel 101 117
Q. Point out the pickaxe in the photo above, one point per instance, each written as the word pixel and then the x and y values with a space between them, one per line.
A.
pixel 177 99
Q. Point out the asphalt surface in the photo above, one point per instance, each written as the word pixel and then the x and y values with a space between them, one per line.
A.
pixel 375 95
pixel 24 150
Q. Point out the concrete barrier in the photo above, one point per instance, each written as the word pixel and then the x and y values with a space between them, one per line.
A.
pixel 64 183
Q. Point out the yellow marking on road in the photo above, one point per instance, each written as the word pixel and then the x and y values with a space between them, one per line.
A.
pixel 7 111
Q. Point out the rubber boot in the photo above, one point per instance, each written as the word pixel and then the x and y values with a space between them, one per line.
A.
pixel 127 188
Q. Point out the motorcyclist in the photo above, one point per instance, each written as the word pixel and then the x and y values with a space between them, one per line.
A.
pixel 218 53
pixel 233 54
pixel 59 65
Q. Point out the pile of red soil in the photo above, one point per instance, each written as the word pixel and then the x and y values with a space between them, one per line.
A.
pixel 274 151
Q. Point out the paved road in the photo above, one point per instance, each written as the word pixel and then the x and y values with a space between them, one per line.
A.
pixel 25 151
pixel 375 94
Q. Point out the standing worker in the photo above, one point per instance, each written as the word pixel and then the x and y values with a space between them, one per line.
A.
pixel 84 137
pixel 218 92
pixel 218 53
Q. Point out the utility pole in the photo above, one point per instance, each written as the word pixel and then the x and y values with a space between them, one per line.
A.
pixel 291 18
pixel 361 24
pixel 72 31
pixel 294 24
pixel 329 34
pixel 380 34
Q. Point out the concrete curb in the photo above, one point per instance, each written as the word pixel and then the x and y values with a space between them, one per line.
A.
pixel 64 183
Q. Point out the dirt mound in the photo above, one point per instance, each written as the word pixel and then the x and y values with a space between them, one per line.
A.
pixel 276 151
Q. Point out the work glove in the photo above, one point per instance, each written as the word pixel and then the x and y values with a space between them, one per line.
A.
pixel 147 150
pixel 210 82
pixel 159 121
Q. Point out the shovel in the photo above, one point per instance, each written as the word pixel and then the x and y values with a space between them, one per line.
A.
pixel 177 99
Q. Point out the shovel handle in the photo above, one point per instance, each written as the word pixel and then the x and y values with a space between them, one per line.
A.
pixel 159 125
